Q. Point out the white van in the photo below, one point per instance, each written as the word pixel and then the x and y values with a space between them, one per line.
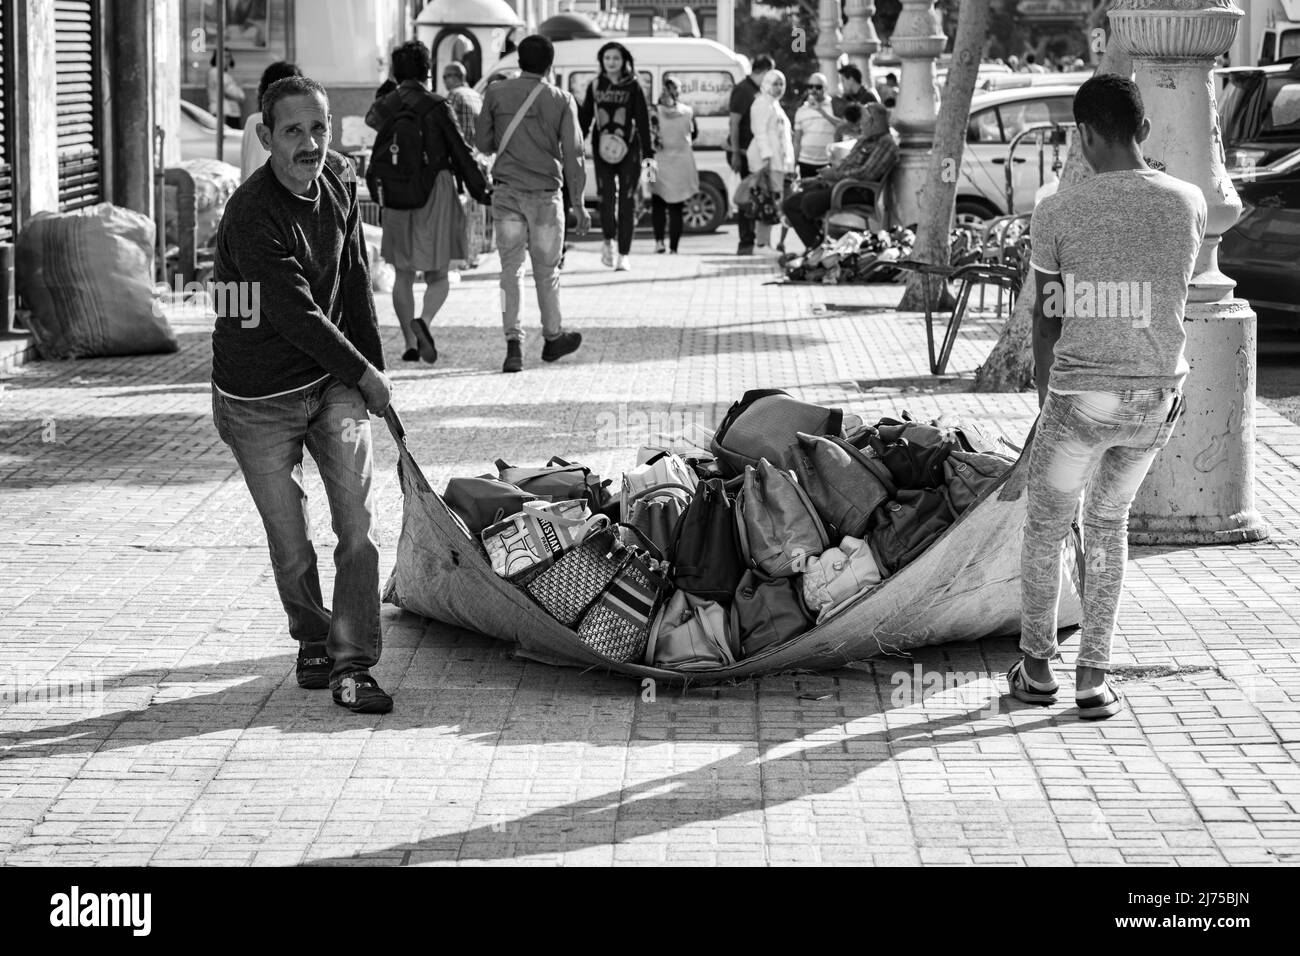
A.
pixel 705 72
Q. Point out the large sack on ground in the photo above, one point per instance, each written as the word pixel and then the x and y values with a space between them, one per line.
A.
pixel 86 277
pixel 214 183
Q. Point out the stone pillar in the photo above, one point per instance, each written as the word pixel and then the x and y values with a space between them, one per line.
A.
pixel 1201 489
pixel 859 40
pixel 918 40
pixel 828 38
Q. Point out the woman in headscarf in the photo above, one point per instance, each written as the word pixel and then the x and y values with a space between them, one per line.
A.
pixel 676 178
pixel 771 151
pixel 619 143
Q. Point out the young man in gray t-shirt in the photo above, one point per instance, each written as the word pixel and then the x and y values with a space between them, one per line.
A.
pixel 1114 256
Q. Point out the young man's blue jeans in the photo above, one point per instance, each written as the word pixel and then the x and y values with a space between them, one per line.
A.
pixel 531 221
pixel 1104 441
pixel 267 436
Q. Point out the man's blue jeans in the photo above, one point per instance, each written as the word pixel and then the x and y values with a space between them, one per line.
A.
pixel 1104 442
pixel 532 221
pixel 267 436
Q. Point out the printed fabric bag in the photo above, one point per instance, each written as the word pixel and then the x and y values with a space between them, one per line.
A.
pixel 705 554
pixel 573 583
pixel 903 528
pixel 767 612
pixel 778 525
pixel 832 580
pixel 618 624
pixel 844 483
pixel 484 501
pixel 560 480
pixel 690 634
pixel 533 539
pixel 967 475
pixel 764 424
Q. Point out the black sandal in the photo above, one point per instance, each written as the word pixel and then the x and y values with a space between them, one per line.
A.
pixel 1099 706
pixel 1029 693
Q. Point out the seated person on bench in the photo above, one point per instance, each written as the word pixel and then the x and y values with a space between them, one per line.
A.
pixel 872 158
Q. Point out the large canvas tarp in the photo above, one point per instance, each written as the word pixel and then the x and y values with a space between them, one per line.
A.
pixel 966 586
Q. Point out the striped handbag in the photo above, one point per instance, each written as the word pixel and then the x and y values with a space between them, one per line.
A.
pixel 617 625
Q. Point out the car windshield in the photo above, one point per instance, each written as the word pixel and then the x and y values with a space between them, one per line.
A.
pixel 1261 106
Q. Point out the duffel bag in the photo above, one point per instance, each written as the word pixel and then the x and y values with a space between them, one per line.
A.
pixel 561 480
pixel 967 475
pixel 777 524
pixel 907 525
pixel 705 555
pixel 655 511
pixel 763 424
pixel 691 634
pixel 484 501
pixel 845 485
pixel 839 575
pixel 766 612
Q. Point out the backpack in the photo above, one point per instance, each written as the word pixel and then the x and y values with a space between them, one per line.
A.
pixel 560 480
pixel 767 612
pixel 705 555
pixel 844 483
pixel 903 528
pixel 777 525
pixel 484 500
pixel 400 174
pixel 763 424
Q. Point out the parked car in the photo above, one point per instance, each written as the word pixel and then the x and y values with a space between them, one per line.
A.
pixel 1259 114
pixel 1262 251
pixel 198 134
pixel 996 118
pixel 705 71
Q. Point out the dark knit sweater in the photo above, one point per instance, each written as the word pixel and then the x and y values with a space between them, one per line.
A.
pixel 316 314
pixel 617 108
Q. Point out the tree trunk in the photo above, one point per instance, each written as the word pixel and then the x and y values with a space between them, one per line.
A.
pixel 939 195
pixel 1010 366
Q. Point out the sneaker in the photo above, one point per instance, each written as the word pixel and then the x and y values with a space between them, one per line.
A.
pixel 411 355
pixel 745 249
pixel 313 668
pixel 514 356
pixel 624 264
pixel 660 248
pixel 360 694
pixel 428 351
pixel 561 345
pixel 607 253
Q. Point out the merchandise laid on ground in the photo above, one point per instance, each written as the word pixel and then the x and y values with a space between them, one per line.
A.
pixel 794 537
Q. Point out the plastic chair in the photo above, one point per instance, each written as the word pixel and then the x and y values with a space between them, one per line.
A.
pixel 839 191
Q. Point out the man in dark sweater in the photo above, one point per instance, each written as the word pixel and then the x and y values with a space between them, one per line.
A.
pixel 302 367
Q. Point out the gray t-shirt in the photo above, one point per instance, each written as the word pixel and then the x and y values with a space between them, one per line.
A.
pixel 1119 250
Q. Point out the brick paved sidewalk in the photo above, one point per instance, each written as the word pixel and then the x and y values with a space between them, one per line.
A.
pixel 132 560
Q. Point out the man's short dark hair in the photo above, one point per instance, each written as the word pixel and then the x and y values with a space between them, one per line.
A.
pixel 279 70
pixel 1111 106
pixel 763 63
pixel 283 89
pixel 411 61
pixel 536 54
pixel 851 72
pixel 853 113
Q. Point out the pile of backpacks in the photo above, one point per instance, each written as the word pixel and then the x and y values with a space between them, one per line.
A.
pixel 705 555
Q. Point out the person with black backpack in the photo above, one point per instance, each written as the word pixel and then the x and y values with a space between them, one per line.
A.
pixel 418 163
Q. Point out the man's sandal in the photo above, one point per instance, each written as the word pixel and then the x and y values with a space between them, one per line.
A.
pixel 1029 691
pixel 1104 703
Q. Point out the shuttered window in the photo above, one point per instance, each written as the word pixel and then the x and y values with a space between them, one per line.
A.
pixel 6 144
pixel 76 52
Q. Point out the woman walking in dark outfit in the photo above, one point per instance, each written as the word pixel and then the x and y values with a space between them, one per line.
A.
pixel 619 143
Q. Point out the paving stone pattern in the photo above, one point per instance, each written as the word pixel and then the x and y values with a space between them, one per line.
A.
pixel 148 712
